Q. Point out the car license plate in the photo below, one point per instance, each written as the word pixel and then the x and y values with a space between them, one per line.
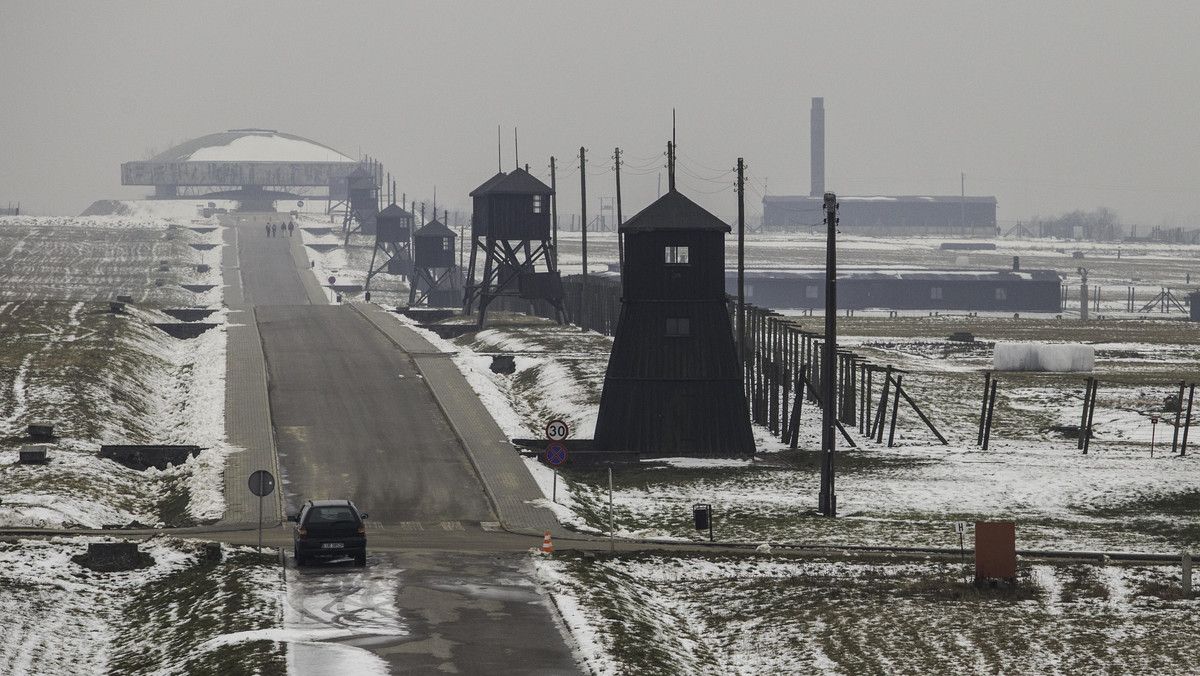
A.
pixel 332 545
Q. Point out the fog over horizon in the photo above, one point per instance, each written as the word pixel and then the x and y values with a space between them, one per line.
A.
pixel 1051 107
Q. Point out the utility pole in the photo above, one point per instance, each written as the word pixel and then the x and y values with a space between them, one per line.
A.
pixel 1083 293
pixel 741 256
pixel 828 496
pixel 553 211
pixel 583 229
pixel 671 166
pixel 620 220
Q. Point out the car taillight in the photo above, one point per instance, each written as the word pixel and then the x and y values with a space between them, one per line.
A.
pixel 303 533
pixel 362 531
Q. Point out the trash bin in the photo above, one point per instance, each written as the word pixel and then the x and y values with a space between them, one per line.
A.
pixel 702 514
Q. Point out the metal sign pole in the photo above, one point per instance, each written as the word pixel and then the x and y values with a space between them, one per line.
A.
pixel 262 483
pixel 260 499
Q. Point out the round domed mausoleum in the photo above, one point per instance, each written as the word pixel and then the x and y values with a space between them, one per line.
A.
pixel 253 166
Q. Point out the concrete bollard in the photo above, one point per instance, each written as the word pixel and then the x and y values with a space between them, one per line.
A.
pixel 212 552
pixel 34 454
pixel 110 557
pixel 41 431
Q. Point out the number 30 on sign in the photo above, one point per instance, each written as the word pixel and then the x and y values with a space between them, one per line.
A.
pixel 557 430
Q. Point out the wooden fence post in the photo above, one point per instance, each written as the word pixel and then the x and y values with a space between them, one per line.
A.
pixel 987 432
pixel 1178 413
pixel 881 415
pixel 1087 439
pixel 987 382
pixel 1187 421
pixel 1087 393
pixel 895 412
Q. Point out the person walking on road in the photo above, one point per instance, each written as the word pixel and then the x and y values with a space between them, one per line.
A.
pixel 268 229
pixel 291 227
pixel 274 230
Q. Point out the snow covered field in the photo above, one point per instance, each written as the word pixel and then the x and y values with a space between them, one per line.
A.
pixel 105 377
pixel 109 378
pixel 62 618
pixel 703 614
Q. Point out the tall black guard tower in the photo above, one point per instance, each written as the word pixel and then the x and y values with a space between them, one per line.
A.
pixel 363 196
pixel 393 236
pixel 511 229
pixel 435 274
pixel 674 385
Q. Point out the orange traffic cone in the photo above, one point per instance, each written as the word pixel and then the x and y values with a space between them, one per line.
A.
pixel 547 545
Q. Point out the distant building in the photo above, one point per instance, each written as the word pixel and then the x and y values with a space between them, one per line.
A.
pixel 934 290
pixel 254 166
pixel 955 216
pixel 882 216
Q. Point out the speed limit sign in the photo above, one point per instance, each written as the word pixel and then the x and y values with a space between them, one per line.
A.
pixel 557 430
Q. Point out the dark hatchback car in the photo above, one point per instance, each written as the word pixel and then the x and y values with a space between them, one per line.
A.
pixel 329 529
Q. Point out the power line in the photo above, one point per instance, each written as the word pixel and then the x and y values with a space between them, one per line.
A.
pixel 690 188
pixel 701 164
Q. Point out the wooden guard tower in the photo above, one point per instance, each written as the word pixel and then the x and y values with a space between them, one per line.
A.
pixel 510 227
pixel 674 384
pixel 435 274
pixel 393 236
pixel 363 196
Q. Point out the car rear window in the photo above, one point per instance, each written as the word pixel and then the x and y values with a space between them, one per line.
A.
pixel 331 515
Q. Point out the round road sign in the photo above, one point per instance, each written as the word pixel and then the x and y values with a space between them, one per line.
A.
pixel 262 483
pixel 300 203
pixel 332 279
pixel 556 454
pixel 557 430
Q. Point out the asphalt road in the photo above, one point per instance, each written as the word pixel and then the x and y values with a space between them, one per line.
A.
pixel 354 419
pixel 270 275
pixel 443 591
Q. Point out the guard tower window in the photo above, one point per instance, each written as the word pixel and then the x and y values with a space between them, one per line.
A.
pixel 810 291
pixel 679 326
pixel 935 293
pixel 1001 294
pixel 447 245
pixel 539 204
pixel 676 255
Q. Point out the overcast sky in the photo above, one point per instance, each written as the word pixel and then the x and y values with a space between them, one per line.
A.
pixel 1048 106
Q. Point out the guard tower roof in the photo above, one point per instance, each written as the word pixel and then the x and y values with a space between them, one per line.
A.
pixel 517 182
pixel 673 211
pixel 394 211
pixel 434 229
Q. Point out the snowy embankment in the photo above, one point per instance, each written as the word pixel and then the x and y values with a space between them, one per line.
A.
pixel 104 377
pixel 61 618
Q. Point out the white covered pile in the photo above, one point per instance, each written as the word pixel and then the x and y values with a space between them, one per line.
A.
pixel 1060 358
